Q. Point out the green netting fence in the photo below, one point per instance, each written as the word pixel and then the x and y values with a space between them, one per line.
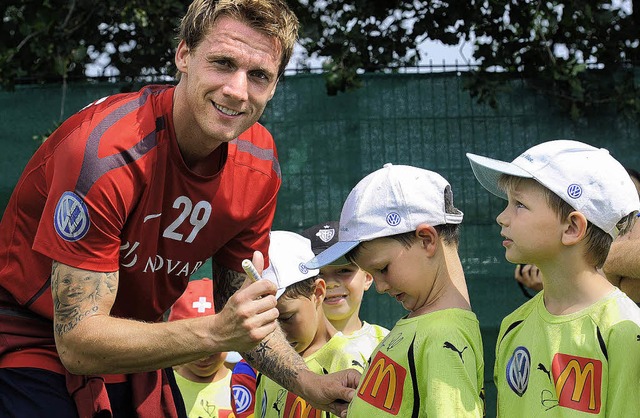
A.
pixel 326 144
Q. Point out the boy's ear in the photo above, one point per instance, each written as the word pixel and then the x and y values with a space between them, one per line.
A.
pixel 368 279
pixel 575 228
pixel 428 237
pixel 320 291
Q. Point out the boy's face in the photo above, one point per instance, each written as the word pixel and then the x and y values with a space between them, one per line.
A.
pixel 532 231
pixel 346 285
pixel 207 366
pixel 299 318
pixel 397 270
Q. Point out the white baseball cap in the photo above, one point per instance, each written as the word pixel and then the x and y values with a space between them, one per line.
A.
pixel 288 252
pixel 392 200
pixel 587 178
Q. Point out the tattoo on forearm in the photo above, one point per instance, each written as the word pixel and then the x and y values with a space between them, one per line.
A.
pixel 77 293
pixel 275 358
pixel 227 282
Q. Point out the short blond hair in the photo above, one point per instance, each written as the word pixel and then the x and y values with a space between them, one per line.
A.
pixel 271 17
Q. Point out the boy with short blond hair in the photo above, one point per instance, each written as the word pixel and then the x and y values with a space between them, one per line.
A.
pixel 572 349
pixel 346 285
pixel 399 224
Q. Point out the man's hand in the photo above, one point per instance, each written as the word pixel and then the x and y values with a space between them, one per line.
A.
pixel 250 314
pixel 331 392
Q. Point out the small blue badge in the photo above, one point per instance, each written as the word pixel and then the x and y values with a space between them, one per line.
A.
pixel 242 397
pixel 71 218
pixel 303 269
pixel 393 218
pixel 518 369
pixel 574 191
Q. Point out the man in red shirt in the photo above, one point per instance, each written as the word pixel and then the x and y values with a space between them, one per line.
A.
pixel 123 203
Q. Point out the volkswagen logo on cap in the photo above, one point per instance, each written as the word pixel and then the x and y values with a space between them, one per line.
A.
pixel 393 218
pixel 303 269
pixel 574 191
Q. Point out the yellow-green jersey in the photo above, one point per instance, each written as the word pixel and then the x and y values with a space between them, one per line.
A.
pixel 585 364
pixel 366 339
pixel 206 400
pixel 272 400
pixel 427 366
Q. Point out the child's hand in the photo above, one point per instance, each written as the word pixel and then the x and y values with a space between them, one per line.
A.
pixel 529 275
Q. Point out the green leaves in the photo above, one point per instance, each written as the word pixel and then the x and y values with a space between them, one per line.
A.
pixel 578 51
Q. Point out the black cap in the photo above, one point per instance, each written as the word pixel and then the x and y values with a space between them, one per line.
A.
pixel 323 236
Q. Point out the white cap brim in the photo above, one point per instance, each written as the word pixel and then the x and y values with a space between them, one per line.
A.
pixel 331 254
pixel 488 172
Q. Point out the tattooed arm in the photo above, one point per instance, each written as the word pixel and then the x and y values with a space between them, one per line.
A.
pixel 275 357
pixel 91 341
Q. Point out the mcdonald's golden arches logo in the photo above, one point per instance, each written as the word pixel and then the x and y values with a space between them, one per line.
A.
pixel 383 384
pixel 296 407
pixel 578 382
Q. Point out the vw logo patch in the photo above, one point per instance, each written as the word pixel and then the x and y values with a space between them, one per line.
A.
pixel 393 218
pixel 71 218
pixel 518 369
pixel 574 191
pixel 303 269
pixel 242 397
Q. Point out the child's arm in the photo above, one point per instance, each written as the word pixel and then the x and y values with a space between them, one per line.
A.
pixel 623 348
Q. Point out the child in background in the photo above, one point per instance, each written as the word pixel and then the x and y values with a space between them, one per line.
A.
pixel 300 295
pixel 346 284
pixel 205 383
pixel 572 350
pixel 399 224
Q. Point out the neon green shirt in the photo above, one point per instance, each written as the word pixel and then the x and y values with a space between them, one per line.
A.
pixel 585 364
pixel 428 366
pixel 272 400
pixel 206 400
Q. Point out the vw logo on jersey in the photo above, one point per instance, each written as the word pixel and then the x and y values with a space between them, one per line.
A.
pixel 242 397
pixel 303 269
pixel 574 191
pixel 71 218
pixel 518 369
pixel 393 218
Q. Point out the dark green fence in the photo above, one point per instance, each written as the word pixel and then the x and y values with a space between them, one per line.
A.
pixel 327 144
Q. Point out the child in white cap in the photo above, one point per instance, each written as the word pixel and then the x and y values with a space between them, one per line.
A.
pixel 400 225
pixel 300 295
pixel 346 284
pixel 573 350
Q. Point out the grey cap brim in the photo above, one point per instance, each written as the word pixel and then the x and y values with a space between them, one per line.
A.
pixel 488 172
pixel 331 254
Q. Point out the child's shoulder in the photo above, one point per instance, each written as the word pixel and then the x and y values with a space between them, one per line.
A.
pixel 446 317
pixel 444 323
pixel 520 314
pixel 615 311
